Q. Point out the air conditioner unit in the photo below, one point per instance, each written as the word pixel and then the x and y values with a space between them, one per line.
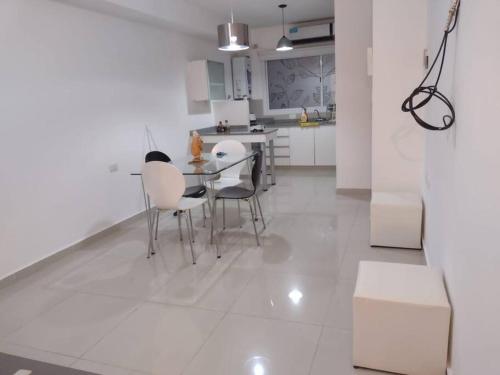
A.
pixel 312 32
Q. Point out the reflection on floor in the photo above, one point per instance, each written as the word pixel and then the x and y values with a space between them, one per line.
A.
pixel 282 308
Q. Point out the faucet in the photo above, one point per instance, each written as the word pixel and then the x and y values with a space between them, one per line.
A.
pixel 318 116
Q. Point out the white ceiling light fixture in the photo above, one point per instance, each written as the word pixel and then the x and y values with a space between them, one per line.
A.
pixel 284 43
pixel 233 36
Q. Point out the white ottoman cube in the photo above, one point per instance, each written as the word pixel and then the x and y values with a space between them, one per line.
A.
pixel 401 319
pixel 396 220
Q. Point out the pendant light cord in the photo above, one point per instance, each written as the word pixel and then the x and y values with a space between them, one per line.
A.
pixel 283 19
pixel 432 91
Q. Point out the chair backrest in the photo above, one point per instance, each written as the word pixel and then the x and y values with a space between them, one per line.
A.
pixel 256 170
pixel 234 149
pixel 157 156
pixel 164 184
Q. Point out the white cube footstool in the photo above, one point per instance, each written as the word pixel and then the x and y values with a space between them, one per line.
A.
pixel 396 220
pixel 401 319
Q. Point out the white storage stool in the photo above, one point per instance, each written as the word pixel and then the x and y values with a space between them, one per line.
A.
pixel 396 220
pixel 401 319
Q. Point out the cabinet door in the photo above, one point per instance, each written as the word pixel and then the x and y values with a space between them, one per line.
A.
pixel 216 79
pixel 197 80
pixel 301 146
pixel 324 144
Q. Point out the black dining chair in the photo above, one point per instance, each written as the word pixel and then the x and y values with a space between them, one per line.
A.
pixel 243 193
pixel 196 191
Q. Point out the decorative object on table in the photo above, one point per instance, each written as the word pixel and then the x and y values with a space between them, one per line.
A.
pixel 196 147
pixel 284 44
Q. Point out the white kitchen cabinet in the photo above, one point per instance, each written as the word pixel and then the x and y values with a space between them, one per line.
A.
pixel 301 146
pixel 205 80
pixel 324 145
pixel 242 77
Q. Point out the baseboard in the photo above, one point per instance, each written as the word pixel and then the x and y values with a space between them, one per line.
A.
pixel 35 266
pixel 344 190
pixel 426 254
pixel 355 193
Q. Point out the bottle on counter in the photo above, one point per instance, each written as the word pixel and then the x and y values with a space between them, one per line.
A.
pixel 220 127
pixel 226 126
pixel 303 116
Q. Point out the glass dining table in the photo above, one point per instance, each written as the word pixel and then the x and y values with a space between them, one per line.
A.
pixel 207 170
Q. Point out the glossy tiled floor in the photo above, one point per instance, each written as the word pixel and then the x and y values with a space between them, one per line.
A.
pixel 282 308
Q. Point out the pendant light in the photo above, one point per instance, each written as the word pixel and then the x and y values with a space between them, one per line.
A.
pixel 233 36
pixel 284 43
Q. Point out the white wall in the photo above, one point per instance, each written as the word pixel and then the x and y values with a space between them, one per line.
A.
pixel 353 35
pixel 399 40
pixel 77 89
pixel 462 193
pixel 163 13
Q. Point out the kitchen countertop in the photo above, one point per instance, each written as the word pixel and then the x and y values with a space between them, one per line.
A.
pixel 271 123
pixel 270 127
pixel 234 130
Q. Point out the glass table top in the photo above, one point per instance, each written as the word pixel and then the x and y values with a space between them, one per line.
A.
pixel 210 165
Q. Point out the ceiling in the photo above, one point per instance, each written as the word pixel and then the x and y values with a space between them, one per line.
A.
pixel 258 13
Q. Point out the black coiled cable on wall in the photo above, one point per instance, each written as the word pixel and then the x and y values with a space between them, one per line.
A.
pixel 432 91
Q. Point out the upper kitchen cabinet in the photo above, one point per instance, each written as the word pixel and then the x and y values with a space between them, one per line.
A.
pixel 242 77
pixel 206 80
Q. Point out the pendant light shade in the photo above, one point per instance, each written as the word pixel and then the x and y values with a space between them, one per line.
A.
pixel 233 36
pixel 284 44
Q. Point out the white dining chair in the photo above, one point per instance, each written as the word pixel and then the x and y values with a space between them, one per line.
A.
pixel 231 176
pixel 165 185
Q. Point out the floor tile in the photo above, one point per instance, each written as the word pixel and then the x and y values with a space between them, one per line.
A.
pixel 36 354
pixel 20 305
pixel 339 313
pixel 247 345
pixel 99 368
pixel 74 325
pixel 194 283
pixel 284 296
pixel 156 338
pixel 226 290
pixel 334 355
pixel 124 271
pixel 350 262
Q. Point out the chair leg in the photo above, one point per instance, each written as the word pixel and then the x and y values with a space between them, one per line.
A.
pixel 255 210
pixel 239 212
pixel 253 222
pixel 179 224
pixel 260 210
pixel 223 214
pixel 204 215
pixel 189 237
pixel 191 223
pixel 213 221
pixel 157 221
pixel 209 204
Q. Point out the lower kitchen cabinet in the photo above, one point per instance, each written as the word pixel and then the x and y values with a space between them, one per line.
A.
pixel 324 145
pixel 312 146
pixel 301 146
